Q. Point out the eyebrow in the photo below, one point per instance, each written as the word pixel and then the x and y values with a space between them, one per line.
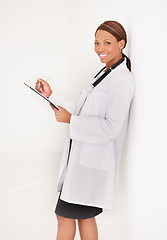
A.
pixel 103 40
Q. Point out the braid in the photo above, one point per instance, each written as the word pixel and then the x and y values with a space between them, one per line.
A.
pixel 128 62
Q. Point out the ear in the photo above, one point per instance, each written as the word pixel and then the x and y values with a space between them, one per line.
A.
pixel 122 44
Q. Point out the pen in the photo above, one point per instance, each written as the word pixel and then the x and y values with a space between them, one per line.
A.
pixel 40 85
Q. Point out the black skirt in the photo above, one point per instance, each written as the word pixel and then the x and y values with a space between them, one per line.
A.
pixel 76 211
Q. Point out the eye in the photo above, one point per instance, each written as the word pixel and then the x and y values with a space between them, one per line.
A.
pixel 107 43
pixel 96 43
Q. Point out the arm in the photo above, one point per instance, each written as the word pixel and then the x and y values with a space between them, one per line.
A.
pixel 98 129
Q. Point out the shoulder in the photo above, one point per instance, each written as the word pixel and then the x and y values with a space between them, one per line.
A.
pixel 118 78
pixel 121 80
pixel 120 75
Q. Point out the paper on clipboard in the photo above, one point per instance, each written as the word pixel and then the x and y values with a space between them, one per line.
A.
pixel 42 96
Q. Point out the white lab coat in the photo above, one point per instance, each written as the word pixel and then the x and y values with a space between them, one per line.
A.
pixel 97 129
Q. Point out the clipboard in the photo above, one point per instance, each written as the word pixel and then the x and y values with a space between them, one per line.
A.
pixel 42 96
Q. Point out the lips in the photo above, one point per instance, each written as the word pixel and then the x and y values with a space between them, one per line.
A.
pixel 102 55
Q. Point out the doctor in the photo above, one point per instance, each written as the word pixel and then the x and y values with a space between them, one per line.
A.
pixel 90 162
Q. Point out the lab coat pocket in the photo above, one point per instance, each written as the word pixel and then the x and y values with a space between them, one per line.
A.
pixel 98 156
pixel 96 104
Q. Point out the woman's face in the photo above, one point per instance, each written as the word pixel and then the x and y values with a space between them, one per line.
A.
pixel 108 48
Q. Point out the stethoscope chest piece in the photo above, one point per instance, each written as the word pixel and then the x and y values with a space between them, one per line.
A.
pixel 89 88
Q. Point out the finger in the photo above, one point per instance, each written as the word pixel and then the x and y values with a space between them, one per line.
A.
pixel 60 108
pixel 39 89
pixel 54 109
pixel 41 81
pixel 38 84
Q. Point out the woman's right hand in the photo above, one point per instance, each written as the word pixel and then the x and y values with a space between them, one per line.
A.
pixel 43 87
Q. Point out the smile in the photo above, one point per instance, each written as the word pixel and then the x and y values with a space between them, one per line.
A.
pixel 102 55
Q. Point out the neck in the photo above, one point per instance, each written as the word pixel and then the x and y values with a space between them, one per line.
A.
pixel 111 63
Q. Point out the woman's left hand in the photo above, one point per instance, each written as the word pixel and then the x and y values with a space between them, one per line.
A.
pixel 62 115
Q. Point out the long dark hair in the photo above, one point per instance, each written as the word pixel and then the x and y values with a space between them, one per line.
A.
pixel 118 31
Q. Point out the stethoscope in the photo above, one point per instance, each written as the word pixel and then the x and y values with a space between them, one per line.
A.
pixel 90 87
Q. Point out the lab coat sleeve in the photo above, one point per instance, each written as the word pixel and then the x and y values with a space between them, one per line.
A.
pixel 60 101
pixel 93 129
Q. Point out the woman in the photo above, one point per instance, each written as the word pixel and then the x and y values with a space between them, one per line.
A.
pixel 90 161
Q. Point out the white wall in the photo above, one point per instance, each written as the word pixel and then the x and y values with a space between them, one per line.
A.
pixel 54 40
pixel 33 43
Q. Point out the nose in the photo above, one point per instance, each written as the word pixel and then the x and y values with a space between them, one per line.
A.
pixel 100 48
